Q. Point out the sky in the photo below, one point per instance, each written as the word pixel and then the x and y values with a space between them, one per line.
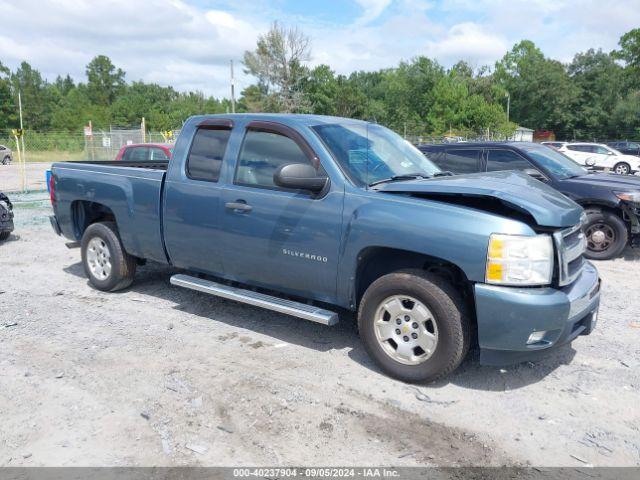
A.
pixel 188 43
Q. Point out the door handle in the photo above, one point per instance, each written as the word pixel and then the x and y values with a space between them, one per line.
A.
pixel 239 206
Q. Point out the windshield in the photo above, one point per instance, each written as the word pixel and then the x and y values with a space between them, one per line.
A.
pixel 554 162
pixel 370 153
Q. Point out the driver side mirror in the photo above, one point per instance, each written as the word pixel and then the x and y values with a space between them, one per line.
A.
pixel 299 176
pixel 532 172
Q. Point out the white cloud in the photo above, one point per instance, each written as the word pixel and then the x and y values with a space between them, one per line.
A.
pixel 467 41
pixel 372 9
pixel 172 42
pixel 169 42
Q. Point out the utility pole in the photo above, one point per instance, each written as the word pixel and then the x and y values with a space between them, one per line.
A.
pixel 23 159
pixel 508 104
pixel 233 92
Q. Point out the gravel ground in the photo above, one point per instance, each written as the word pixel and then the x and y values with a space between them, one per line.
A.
pixel 158 375
pixel 35 177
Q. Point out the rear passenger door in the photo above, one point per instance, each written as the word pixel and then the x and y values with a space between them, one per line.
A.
pixel 273 237
pixel 192 223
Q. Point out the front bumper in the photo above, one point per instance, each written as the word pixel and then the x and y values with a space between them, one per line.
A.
pixel 6 225
pixel 6 219
pixel 507 317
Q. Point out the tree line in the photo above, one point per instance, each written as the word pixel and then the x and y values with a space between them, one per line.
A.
pixel 595 96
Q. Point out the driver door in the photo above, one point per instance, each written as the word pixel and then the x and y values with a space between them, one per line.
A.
pixel 273 237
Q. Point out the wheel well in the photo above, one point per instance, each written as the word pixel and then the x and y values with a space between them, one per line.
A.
pixel 84 213
pixel 603 208
pixel 374 262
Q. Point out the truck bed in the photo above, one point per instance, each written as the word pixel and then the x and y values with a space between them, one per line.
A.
pixel 130 190
pixel 155 165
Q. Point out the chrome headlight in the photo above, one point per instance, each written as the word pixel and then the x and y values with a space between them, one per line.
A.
pixel 519 260
pixel 628 196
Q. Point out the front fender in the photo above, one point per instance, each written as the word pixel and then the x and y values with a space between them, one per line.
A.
pixel 456 234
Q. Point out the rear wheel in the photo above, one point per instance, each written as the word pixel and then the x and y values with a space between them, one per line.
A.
pixel 6 160
pixel 606 233
pixel 414 325
pixel 622 168
pixel 107 265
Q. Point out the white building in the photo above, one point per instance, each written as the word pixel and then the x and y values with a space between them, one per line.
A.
pixel 522 134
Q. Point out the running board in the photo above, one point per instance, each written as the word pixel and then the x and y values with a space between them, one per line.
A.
pixel 288 307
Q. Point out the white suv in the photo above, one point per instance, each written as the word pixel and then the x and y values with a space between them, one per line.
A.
pixel 601 156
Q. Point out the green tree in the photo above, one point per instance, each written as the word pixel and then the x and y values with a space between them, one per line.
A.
pixel 278 62
pixel 104 81
pixel 7 105
pixel 38 97
pixel 599 81
pixel 625 118
pixel 629 52
pixel 542 94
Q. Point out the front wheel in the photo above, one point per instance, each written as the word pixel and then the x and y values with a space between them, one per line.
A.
pixel 6 160
pixel 107 265
pixel 414 325
pixel 606 233
pixel 622 168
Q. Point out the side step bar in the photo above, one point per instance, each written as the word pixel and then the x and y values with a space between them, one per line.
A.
pixel 288 307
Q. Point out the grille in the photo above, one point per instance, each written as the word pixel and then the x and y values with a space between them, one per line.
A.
pixel 570 245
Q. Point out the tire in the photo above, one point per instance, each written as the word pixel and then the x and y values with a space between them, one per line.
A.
pixel 622 168
pixel 100 246
pixel 612 238
pixel 449 325
pixel 4 235
pixel 6 160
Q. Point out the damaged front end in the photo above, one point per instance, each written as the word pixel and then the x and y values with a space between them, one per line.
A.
pixel 631 214
pixel 6 216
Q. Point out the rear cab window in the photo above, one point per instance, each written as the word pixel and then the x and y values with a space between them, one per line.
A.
pixel 207 151
pixel 136 154
pixel 158 154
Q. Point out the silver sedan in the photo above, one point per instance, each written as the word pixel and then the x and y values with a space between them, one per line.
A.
pixel 5 155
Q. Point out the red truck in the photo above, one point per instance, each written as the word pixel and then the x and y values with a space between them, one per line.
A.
pixel 145 151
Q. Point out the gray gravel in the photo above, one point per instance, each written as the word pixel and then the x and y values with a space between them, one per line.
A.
pixel 157 375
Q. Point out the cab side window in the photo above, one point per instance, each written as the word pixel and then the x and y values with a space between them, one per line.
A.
pixel 579 148
pixel 206 154
pixel 461 160
pixel 262 153
pixel 498 160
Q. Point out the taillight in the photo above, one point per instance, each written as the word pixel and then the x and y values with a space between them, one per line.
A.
pixel 52 192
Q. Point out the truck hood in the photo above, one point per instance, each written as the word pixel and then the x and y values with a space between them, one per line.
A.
pixel 609 181
pixel 516 190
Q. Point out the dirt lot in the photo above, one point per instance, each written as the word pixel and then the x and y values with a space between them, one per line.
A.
pixel 158 375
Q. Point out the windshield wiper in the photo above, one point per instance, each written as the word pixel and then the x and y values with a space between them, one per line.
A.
pixel 399 178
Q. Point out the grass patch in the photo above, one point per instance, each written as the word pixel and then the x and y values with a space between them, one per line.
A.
pixel 52 156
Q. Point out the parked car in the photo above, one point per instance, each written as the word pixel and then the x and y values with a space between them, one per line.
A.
pixel 612 202
pixel 555 145
pixel 322 213
pixel 5 155
pixel 600 157
pixel 141 152
pixel 628 148
pixel 6 217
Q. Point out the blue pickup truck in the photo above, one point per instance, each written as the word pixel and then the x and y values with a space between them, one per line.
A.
pixel 315 216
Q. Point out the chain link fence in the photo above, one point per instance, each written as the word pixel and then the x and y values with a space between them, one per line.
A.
pixel 55 146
